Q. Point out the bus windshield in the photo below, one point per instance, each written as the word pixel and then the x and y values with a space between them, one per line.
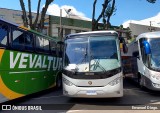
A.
pixel 92 54
pixel 155 53
pixel 104 53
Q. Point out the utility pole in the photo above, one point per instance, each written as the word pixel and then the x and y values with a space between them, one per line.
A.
pixel 150 27
pixel 60 32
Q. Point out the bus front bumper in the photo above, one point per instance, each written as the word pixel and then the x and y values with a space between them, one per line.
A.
pixel 93 92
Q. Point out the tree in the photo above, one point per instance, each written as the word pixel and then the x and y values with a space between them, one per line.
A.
pixel 109 12
pixel 24 15
pixel 152 1
pixel 40 19
pixel 108 8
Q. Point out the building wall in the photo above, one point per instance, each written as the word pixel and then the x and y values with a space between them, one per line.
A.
pixel 68 25
pixel 11 15
pixel 139 29
pixel 15 15
pixel 52 23
pixel 70 29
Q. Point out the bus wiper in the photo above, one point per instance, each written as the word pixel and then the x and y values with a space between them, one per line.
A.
pixel 97 64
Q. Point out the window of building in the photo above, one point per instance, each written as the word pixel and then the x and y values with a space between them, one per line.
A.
pixel 3 34
pixel 78 31
pixel 67 31
pixel 83 31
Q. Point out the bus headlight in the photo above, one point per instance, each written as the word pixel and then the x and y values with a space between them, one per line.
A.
pixel 115 81
pixel 155 77
pixel 67 82
pixel 156 85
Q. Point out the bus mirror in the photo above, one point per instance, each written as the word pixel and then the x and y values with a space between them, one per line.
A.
pixel 125 48
pixel 146 47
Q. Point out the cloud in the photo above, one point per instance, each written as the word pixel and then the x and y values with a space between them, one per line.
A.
pixel 154 21
pixel 54 9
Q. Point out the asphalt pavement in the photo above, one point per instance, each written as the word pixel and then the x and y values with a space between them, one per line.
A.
pixel 54 101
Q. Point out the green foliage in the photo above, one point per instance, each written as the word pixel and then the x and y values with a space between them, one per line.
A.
pixel 108 10
pixel 130 40
pixel 151 1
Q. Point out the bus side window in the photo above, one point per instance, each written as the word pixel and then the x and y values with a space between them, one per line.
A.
pixel 53 47
pixel 18 39
pixel 28 38
pixel 42 45
pixel 46 45
pixel 3 34
pixel 39 44
pixel 61 49
pixel 58 50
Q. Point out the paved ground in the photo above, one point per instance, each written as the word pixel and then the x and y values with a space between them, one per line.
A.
pixel 133 98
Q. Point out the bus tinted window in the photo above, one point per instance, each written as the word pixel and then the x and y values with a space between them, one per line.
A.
pixel 3 34
pixel 42 45
pixel 46 45
pixel 53 47
pixel 28 38
pixel 18 40
pixel 39 44
pixel 22 40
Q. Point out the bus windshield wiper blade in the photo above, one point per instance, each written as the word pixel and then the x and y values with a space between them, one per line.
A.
pixel 97 64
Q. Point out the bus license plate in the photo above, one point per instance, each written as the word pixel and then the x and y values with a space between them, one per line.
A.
pixel 91 92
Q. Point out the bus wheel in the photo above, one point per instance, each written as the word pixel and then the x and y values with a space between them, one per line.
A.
pixel 58 82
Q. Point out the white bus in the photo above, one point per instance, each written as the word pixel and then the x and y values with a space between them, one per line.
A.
pixel 92 65
pixel 142 62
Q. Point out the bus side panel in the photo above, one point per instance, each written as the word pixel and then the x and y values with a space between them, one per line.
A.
pixel 25 73
pixel 127 65
pixel 130 65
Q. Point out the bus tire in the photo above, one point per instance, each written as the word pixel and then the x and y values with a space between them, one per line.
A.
pixel 140 81
pixel 59 81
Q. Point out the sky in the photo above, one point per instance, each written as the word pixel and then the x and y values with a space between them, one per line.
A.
pixel 126 9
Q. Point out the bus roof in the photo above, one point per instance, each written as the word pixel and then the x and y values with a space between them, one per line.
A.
pixel 9 22
pixel 93 33
pixel 29 30
pixel 149 35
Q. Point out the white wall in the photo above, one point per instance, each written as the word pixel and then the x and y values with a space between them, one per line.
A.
pixel 139 29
